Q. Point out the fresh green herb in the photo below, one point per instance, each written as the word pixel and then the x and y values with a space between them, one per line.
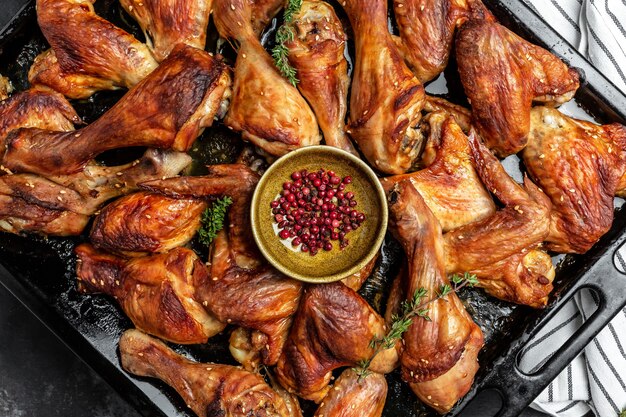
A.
pixel 411 308
pixel 623 413
pixel 285 34
pixel 212 220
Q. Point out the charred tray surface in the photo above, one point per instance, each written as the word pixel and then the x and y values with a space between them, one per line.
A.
pixel 41 272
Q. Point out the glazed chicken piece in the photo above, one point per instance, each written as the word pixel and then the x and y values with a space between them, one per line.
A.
pixel 426 33
pixel 46 110
pixel 523 222
pixel 88 53
pixel 578 165
pixel 354 397
pixel 265 299
pixel 317 53
pixel 386 98
pixel 333 328
pixel 155 292
pixel 209 389
pixel 524 278
pixel 263 11
pixel 449 185
pixel 503 75
pixel 6 88
pixel 146 222
pixel 439 360
pixel 62 205
pixel 166 23
pixel 265 107
pixel 168 109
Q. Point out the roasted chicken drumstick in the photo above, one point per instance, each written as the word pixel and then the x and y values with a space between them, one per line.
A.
pixel 208 389
pixel 168 109
pixel 61 205
pixel 268 110
pixel 317 54
pixel 386 98
pixel 439 359
pixel 88 53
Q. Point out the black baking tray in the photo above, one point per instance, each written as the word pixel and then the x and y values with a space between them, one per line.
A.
pixel 40 272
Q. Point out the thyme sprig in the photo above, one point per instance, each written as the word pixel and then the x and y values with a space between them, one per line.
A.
pixel 212 220
pixel 416 306
pixel 284 35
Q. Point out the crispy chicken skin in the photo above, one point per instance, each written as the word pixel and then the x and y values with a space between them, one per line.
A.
pixel 166 23
pixel 88 52
pixel 263 11
pixel 386 98
pixel 168 109
pixel 156 292
pixel 426 33
pixel 503 75
pixel 208 389
pixel 333 328
pixel 462 116
pixel 62 205
pixel 146 222
pixel 439 359
pixel 36 108
pixel 351 397
pixel 450 185
pixel 578 165
pixel 266 299
pixel 317 53
pixel 524 278
pixel 523 222
pixel 265 107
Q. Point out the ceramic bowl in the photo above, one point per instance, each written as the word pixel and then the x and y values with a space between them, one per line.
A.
pixel 326 266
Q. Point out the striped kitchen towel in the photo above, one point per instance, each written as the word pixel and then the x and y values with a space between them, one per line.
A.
pixel 596 380
pixel 597 28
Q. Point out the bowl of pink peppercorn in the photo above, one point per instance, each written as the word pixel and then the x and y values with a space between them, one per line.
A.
pixel 319 214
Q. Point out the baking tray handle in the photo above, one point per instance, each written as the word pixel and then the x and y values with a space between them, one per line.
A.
pixel 519 389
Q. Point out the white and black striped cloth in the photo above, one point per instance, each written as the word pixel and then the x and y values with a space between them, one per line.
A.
pixel 596 380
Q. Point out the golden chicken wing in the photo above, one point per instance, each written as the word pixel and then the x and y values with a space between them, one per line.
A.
pixel 352 396
pixel 503 75
pixel 449 185
pixel 522 223
pixel 156 292
pixel 578 165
